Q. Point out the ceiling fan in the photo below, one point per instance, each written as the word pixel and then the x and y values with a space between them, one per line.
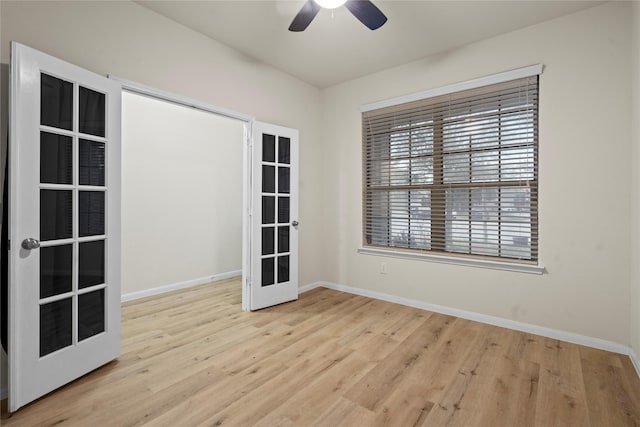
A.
pixel 364 10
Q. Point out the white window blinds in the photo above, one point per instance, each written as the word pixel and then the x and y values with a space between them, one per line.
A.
pixel 456 173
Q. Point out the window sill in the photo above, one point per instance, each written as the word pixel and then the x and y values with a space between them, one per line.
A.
pixel 469 262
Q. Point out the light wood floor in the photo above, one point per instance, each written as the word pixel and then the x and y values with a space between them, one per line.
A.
pixel 193 358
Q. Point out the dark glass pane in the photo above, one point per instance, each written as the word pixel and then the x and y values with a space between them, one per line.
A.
pixel 55 214
pixel 267 271
pixel 268 236
pixel 55 159
pixel 56 102
pixel 284 150
pixel 91 263
pixel 283 268
pixel 268 179
pixel 283 239
pixel 283 180
pixel 92 108
pixel 268 209
pixel 55 326
pixel 283 209
pixel 90 314
pixel 91 162
pixel 91 213
pixel 268 148
pixel 55 270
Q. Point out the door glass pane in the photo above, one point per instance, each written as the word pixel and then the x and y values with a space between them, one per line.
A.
pixel 90 314
pixel 92 109
pixel 55 159
pixel 284 150
pixel 267 271
pixel 56 102
pixel 91 213
pixel 55 214
pixel 268 209
pixel 55 326
pixel 283 180
pixel 55 270
pixel 268 236
pixel 283 268
pixel 283 209
pixel 283 239
pixel 268 148
pixel 91 263
pixel 92 163
pixel 268 179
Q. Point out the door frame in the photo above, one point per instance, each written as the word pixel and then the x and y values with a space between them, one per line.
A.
pixel 247 163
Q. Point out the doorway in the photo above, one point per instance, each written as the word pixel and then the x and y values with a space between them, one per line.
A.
pixel 182 186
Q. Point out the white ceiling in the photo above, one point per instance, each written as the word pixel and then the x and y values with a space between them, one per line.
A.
pixel 336 47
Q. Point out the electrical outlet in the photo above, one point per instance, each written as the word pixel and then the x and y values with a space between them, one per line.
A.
pixel 383 268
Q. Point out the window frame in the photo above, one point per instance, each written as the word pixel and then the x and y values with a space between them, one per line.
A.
pixel 439 253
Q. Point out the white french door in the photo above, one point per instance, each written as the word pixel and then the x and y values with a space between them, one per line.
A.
pixel 274 221
pixel 64 222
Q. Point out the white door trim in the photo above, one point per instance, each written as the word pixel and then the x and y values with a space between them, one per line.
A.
pixel 181 100
pixel 247 212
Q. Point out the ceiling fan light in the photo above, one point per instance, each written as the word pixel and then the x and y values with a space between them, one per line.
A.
pixel 330 4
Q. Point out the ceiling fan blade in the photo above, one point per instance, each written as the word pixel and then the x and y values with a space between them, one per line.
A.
pixel 305 16
pixel 367 13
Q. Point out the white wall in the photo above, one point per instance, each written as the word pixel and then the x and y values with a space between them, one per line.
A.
pixel 635 197
pixel 181 193
pixel 584 178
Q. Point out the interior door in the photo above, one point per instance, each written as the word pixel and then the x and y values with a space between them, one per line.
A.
pixel 274 250
pixel 64 222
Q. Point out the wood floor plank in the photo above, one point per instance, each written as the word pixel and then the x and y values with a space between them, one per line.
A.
pixel 193 358
pixel 263 400
pixel 406 406
pixel 412 400
pixel 608 398
pixel 600 357
pixel 512 394
pixel 211 400
pixel 308 404
pixel 444 360
pixel 464 398
pixel 526 346
pixel 561 392
pixel 410 320
pixel 377 385
pixel 345 413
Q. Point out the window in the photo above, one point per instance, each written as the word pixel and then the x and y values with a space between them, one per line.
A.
pixel 455 174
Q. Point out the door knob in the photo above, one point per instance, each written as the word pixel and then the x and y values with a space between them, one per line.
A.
pixel 295 223
pixel 30 243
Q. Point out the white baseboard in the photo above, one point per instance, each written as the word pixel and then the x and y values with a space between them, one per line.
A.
pixel 180 285
pixel 634 359
pixel 482 318
pixel 310 286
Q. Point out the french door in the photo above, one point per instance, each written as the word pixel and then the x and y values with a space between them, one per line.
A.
pixel 274 228
pixel 64 222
